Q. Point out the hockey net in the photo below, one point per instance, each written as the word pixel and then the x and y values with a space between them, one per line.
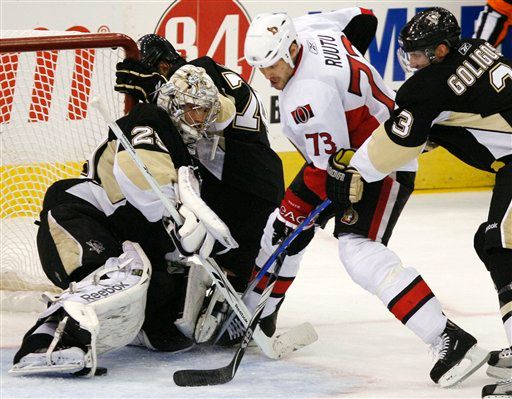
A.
pixel 49 126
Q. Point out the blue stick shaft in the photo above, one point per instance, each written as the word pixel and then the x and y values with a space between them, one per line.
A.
pixel 282 247
pixel 288 240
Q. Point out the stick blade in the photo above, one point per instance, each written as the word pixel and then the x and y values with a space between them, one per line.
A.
pixel 198 378
pixel 294 339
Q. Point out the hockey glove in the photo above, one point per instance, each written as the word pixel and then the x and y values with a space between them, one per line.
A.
pixel 134 78
pixel 202 228
pixel 344 184
pixel 191 237
pixel 292 212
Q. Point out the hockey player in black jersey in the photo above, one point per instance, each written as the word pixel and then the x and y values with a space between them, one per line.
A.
pixel 242 178
pixel 101 239
pixel 460 97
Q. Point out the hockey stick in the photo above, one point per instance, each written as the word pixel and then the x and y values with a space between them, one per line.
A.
pixel 222 375
pixel 280 249
pixel 225 374
pixel 275 348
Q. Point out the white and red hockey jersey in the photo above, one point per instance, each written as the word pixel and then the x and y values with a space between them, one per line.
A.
pixel 335 99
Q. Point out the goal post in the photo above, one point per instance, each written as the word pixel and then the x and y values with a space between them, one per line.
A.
pixel 48 128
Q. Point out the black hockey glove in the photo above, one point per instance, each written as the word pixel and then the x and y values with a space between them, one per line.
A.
pixel 134 78
pixel 344 185
pixel 292 211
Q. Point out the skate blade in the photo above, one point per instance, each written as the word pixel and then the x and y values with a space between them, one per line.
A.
pixel 497 397
pixel 33 369
pixel 473 360
pixel 500 373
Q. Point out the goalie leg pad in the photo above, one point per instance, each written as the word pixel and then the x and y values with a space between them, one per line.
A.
pixel 197 284
pixel 103 312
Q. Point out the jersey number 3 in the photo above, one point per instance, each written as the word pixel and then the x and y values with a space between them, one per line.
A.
pixel 499 75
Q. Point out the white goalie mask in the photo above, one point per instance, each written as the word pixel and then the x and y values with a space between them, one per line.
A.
pixel 192 101
pixel 269 39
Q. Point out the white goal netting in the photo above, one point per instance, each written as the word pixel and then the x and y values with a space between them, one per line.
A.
pixel 48 128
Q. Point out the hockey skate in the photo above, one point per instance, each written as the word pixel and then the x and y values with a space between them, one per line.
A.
pixel 502 389
pixel 43 353
pixel 500 364
pixel 458 356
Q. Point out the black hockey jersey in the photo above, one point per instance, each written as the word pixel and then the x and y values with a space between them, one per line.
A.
pixel 463 103
pixel 244 159
pixel 160 147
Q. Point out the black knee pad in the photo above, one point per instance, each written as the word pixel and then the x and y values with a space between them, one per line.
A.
pixel 479 244
pixel 500 267
pixel 497 260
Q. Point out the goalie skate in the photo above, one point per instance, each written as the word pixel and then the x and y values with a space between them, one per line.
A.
pixel 70 360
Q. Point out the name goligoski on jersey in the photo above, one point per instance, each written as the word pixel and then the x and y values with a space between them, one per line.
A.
pixel 463 103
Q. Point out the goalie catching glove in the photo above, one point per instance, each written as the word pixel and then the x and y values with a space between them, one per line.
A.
pixel 344 185
pixel 134 78
pixel 201 228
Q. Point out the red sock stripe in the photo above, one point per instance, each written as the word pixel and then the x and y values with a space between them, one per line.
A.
pixel 387 183
pixel 408 300
pixel 262 283
pixel 280 287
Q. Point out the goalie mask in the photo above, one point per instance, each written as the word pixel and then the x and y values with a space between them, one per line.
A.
pixel 192 101
pixel 424 32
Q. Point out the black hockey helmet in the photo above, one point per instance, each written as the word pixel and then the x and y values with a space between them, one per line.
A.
pixel 154 48
pixel 428 29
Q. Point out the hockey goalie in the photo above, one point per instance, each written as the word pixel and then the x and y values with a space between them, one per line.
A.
pixel 108 241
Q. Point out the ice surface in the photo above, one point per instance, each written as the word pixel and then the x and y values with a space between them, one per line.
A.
pixel 362 352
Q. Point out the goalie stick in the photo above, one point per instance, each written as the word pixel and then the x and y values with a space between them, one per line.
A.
pixel 280 249
pixel 274 348
pixel 222 375
pixel 225 374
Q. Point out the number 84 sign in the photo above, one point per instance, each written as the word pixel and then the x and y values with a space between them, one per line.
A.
pixel 213 28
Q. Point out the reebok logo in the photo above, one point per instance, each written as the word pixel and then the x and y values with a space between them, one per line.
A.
pixel 491 226
pixel 103 293
pixel 464 48
pixel 312 47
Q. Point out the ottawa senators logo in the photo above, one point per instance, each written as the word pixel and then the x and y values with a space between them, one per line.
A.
pixel 350 216
pixel 272 29
pixel 302 114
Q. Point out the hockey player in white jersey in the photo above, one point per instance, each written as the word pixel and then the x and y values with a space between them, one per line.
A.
pixel 103 241
pixel 331 99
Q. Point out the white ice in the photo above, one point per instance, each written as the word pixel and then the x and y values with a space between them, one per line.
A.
pixel 362 352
